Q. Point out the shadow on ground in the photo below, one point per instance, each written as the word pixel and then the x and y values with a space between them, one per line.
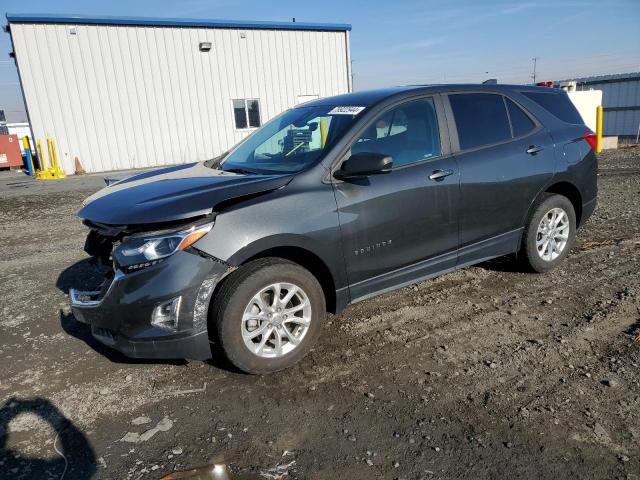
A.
pixel 507 263
pixel 75 457
pixel 83 275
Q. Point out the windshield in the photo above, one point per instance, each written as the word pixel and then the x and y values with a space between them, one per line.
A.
pixel 292 141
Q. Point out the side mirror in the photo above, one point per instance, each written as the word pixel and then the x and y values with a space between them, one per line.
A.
pixel 364 164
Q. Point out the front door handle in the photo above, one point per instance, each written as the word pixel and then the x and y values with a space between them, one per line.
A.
pixel 533 149
pixel 438 175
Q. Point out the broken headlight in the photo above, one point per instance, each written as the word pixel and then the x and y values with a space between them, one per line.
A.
pixel 140 252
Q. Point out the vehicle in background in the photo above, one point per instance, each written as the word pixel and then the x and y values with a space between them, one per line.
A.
pixel 333 202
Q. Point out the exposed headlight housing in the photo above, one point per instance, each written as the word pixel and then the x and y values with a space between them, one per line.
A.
pixel 140 252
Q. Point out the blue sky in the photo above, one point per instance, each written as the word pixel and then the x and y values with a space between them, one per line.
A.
pixel 403 42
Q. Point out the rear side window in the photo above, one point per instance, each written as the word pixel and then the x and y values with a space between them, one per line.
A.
pixel 520 121
pixel 481 119
pixel 558 104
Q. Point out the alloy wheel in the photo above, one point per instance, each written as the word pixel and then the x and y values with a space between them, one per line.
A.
pixel 276 320
pixel 552 234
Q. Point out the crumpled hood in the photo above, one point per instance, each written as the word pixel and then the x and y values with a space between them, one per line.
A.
pixel 174 193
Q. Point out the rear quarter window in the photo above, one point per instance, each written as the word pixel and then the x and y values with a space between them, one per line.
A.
pixel 558 104
pixel 521 124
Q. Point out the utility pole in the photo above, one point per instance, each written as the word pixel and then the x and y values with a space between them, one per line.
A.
pixel 535 62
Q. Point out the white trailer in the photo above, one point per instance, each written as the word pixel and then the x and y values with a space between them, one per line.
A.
pixel 121 93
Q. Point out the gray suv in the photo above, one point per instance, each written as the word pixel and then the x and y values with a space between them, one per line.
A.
pixel 333 202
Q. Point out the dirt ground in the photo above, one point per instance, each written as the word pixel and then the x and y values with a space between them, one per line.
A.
pixel 482 373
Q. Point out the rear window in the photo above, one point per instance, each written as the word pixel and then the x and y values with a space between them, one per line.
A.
pixel 558 104
pixel 481 119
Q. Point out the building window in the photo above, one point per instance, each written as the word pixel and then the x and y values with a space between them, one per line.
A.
pixel 246 113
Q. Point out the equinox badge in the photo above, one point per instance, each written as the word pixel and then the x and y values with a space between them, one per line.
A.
pixel 372 248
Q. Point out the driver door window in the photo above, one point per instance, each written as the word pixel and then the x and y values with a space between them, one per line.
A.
pixel 408 133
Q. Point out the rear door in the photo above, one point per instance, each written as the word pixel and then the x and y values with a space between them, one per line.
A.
pixel 505 157
pixel 403 225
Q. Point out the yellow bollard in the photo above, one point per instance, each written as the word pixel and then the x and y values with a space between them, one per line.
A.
pixel 599 129
pixel 54 172
pixel 52 159
pixel 43 161
pixel 53 154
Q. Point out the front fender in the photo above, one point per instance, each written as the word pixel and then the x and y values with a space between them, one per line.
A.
pixel 306 220
pixel 278 241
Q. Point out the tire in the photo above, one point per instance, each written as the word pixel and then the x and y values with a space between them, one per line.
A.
pixel 237 315
pixel 529 253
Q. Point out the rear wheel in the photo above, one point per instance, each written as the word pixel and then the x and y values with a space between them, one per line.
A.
pixel 549 234
pixel 268 315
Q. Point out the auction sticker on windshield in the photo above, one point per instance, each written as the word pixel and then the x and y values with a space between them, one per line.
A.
pixel 346 110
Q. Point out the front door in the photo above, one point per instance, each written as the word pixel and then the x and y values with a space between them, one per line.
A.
pixel 400 226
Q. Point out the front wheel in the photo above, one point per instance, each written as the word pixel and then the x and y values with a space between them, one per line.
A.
pixel 549 233
pixel 268 315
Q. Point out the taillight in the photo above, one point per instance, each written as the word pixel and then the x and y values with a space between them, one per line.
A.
pixel 591 139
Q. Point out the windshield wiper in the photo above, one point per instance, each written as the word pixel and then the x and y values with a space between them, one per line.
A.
pixel 242 171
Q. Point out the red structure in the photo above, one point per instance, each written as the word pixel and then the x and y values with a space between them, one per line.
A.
pixel 10 155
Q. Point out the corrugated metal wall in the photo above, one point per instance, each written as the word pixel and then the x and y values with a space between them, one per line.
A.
pixel 620 101
pixel 121 97
pixel 616 95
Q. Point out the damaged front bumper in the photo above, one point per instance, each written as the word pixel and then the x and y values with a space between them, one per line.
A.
pixel 120 312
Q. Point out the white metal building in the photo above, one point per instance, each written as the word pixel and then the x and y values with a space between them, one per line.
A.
pixel 121 93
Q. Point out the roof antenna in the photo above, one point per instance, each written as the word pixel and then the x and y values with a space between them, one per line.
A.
pixel 294 19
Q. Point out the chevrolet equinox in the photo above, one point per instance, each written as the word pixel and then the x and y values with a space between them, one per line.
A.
pixel 332 202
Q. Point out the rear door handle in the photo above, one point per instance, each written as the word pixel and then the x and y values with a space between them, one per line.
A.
pixel 438 175
pixel 533 149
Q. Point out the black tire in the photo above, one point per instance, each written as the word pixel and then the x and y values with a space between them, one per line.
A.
pixel 528 254
pixel 238 290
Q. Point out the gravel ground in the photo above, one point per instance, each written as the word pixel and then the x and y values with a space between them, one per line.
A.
pixel 482 373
